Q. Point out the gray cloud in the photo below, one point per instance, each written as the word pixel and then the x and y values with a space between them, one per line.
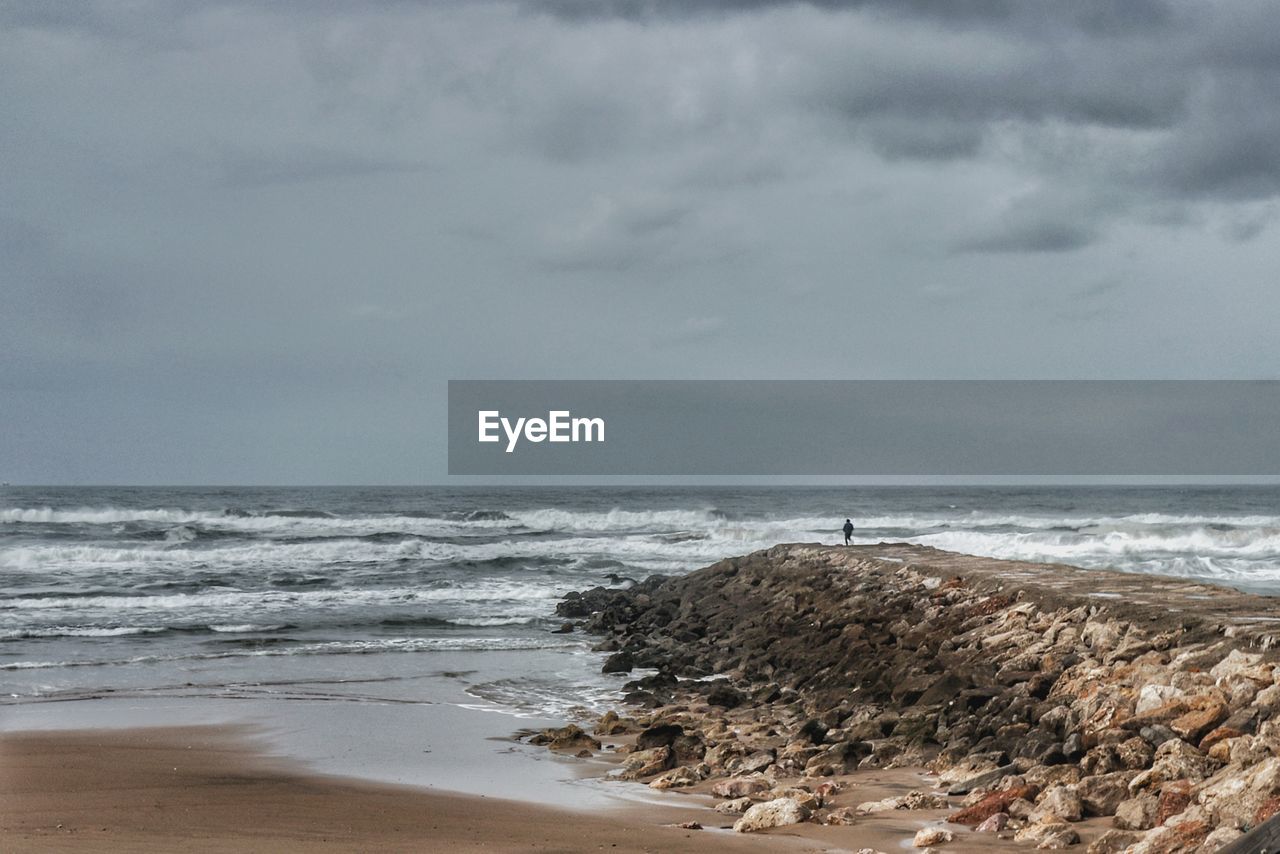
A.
pixel 245 169
pixel 227 219
pixel 1034 236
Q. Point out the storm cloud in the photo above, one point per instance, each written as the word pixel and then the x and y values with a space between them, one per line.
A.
pixel 250 242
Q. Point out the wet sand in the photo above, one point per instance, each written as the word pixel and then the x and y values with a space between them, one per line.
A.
pixel 207 789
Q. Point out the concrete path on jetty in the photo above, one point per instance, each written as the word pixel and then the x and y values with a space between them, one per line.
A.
pixel 1164 601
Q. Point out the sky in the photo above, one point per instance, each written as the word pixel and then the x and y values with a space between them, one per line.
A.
pixel 250 243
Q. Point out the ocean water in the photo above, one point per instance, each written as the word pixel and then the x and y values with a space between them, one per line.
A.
pixel 403 595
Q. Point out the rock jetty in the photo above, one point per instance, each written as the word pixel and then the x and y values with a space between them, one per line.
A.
pixel 1056 706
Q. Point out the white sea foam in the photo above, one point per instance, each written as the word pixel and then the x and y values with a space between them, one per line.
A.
pixel 352 647
pixel 79 632
pixel 246 628
pixel 279 600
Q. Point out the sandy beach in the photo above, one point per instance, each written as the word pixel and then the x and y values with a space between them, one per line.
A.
pixel 207 789
pixel 202 789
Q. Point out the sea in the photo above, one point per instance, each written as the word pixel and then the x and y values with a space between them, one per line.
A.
pixel 150 598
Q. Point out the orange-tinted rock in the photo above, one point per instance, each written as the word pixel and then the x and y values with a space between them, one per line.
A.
pixel 1270 807
pixel 1221 752
pixel 1174 798
pixel 992 804
pixel 1194 724
pixel 1159 715
pixel 1222 733
pixel 1178 838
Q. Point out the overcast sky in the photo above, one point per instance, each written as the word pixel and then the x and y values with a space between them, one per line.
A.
pixel 250 243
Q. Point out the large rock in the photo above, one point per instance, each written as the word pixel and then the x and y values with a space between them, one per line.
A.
pixel 1220 838
pixel 661 735
pixel 779 812
pixel 1052 835
pixel 805 798
pixel 740 787
pixel 1205 714
pixel 646 763
pixel 737 806
pixel 1137 813
pixel 676 778
pixel 1174 760
pixel 991 804
pixel 1113 842
pixel 569 737
pixel 927 836
pixel 1174 798
pixel 1244 664
pixel 752 764
pixel 1181 838
pixel 1152 697
pixel 1101 795
pixel 1061 803
pixel 619 662
pixel 883 805
pixel 611 724
pixel 1238 798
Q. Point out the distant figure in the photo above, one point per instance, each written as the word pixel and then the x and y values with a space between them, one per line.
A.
pixel 848 531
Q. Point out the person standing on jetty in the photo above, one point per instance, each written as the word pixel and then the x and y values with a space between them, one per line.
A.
pixel 848 531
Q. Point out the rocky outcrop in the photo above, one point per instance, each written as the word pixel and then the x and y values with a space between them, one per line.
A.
pixel 1042 693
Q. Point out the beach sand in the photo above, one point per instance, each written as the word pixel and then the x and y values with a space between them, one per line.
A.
pixel 207 789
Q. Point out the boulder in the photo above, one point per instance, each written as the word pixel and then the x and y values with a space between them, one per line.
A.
pixel 1203 717
pixel 993 824
pixel 1174 798
pixel 803 797
pixel 1174 760
pixel 1113 842
pixel 740 787
pixel 646 763
pixel 611 724
pixel 662 735
pixel 1101 794
pixel 991 804
pixel 1220 838
pixel 676 778
pixel 725 696
pixel 751 764
pixel 779 812
pixel 1137 813
pixel 1246 664
pixel 928 836
pixel 1045 776
pixel 1221 733
pixel 737 806
pixel 885 805
pixel 1061 803
pixel 923 801
pixel 841 817
pixel 619 662
pixel 1240 798
pixel 1052 835
pixel 1152 697
pixel 1177 838
pixel 569 737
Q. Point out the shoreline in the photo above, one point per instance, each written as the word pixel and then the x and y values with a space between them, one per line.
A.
pixel 206 789
pixel 209 788
pixel 881 690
